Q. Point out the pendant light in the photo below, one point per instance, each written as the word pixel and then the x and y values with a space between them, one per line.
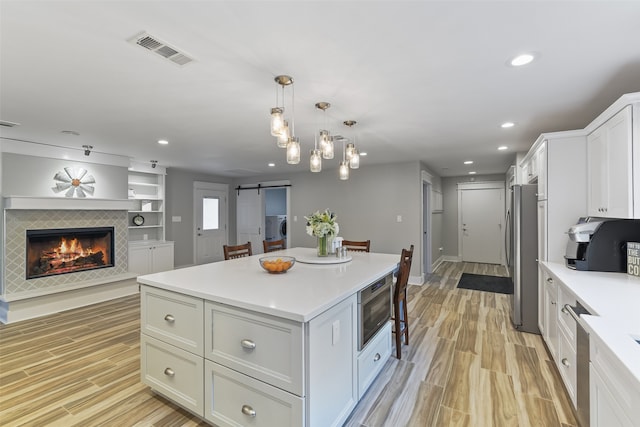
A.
pixel 277 112
pixel 352 154
pixel 343 170
pixel 293 151
pixel 325 140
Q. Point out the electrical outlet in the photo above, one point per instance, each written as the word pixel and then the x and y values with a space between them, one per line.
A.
pixel 399 218
pixel 176 219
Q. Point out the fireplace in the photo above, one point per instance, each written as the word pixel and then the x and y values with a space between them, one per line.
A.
pixel 68 250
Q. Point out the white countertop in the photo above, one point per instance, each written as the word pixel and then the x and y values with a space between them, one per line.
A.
pixel 613 299
pixel 301 294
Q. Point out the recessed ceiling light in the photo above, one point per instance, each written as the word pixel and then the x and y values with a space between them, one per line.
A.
pixel 271 165
pixel 364 153
pixel 472 173
pixel 163 142
pixel 502 147
pixel 507 125
pixel 70 132
pixel 468 162
pixel 522 59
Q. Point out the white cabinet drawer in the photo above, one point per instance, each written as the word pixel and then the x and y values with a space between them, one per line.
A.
pixel 174 373
pixel 373 358
pixel 261 346
pixel 234 400
pixel 620 383
pixel 567 365
pixel 565 320
pixel 173 318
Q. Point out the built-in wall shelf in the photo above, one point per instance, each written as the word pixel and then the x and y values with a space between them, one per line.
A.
pixel 146 192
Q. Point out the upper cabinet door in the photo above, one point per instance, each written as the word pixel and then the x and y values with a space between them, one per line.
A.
pixel 610 172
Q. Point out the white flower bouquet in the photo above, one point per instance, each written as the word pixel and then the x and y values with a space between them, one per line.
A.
pixel 321 224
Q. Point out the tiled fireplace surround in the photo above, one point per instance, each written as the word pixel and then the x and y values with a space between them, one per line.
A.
pixel 46 294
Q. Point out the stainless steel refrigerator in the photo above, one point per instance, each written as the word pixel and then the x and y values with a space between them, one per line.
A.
pixel 522 254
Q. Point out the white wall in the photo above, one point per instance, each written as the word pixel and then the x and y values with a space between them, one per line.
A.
pixel 179 202
pixel 367 205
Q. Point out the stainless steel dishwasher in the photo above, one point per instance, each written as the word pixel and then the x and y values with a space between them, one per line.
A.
pixel 582 364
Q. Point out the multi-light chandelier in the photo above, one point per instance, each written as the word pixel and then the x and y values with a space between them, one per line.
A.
pixel 323 140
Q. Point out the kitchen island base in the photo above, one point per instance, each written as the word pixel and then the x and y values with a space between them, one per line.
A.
pixel 233 366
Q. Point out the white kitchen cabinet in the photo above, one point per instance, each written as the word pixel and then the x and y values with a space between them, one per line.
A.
pixel 541 168
pixel 173 372
pixel 253 368
pixel 561 159
pixel 614 394
pixel 151 257
pixel 372 359
pixel 260 346
pixel 611 169
pixel 549 326
pixel 233 399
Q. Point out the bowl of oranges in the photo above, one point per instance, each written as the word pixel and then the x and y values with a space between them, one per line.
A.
pixel 277 264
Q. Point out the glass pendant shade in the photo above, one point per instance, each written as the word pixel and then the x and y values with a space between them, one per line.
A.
pixel 344 171
pixel 293 151
pixel 277 121
pixel 354 163
pixel 283 136
pixel 327 148
pixel 350 149
pixel 315 162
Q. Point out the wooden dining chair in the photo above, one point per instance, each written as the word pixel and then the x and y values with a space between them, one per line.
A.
pixel 237 251
pixel 357 246
pixel 400 317
pixel 273 245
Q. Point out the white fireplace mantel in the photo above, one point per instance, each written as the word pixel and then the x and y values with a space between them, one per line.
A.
pixel 66 203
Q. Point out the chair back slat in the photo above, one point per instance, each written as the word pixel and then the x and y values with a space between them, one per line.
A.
pixel 274 245
pixel 357 246
pixel 237 251
pixel 403 272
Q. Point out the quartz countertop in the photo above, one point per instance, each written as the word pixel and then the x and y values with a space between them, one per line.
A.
pixel 613 299
pixel 300 294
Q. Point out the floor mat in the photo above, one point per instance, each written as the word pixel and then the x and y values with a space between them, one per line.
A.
pixel 480 282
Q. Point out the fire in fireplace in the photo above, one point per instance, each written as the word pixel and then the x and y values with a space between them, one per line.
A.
pixel 68 250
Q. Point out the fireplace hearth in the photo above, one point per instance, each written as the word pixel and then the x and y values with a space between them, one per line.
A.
pixel 60 251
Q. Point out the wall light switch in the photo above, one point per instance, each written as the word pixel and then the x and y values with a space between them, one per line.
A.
pixel 399 218
pixel 295 218
pixel 176 219
pixel 335 335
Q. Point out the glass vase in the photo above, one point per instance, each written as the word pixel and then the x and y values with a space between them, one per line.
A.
pixel 323 246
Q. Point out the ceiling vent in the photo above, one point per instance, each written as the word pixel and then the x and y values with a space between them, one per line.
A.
pixel 8 124
pixel 161 48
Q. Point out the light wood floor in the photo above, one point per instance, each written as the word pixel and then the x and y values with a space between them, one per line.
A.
pixel 466 366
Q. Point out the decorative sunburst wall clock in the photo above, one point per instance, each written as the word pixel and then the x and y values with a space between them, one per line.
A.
pixel 74 182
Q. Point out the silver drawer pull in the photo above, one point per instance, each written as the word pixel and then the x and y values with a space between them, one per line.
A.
pixel 169 372
pixel 553 303
pixel 564 309
pixel 565 361
pixel 248 410
pixel 550 279
pixel 169 318
pixel 376 357
pixel 248 344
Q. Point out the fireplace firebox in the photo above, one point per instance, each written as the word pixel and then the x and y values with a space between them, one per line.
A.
pixel 68 250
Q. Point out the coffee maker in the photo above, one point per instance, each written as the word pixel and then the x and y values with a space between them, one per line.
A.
pixel 600 244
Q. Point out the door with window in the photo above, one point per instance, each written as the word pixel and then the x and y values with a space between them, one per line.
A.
pixel 210 222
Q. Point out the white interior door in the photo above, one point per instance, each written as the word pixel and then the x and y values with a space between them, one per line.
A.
pixel 481 216
pixel 210 207
pixel 250 217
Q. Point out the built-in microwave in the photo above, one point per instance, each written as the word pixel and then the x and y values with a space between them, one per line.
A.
pixel 374 308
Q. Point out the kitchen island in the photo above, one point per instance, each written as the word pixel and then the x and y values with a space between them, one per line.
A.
pixel 238 346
